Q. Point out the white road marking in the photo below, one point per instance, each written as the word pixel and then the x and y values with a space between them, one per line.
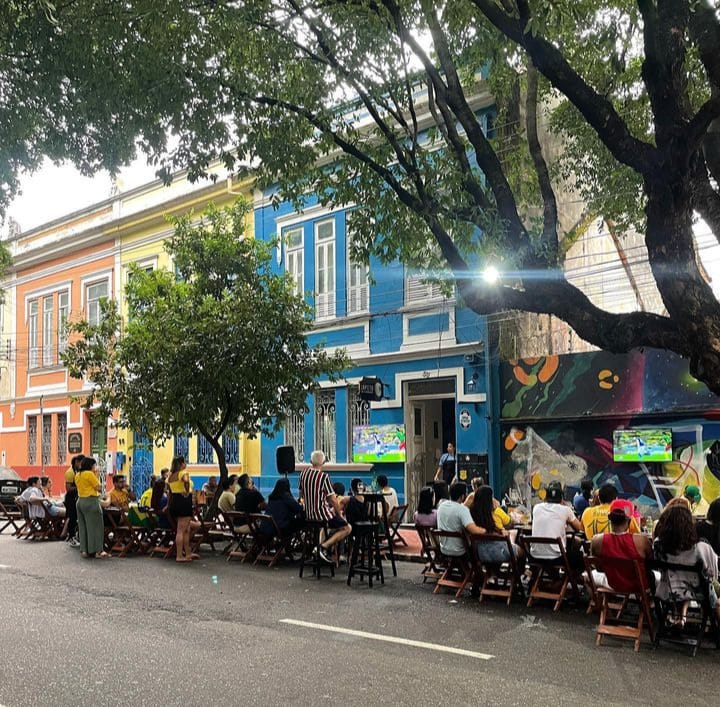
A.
pixel 4 567
pixel 389 639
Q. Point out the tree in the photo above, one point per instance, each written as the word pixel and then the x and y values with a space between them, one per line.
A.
pixel 218 349
pixel 631 88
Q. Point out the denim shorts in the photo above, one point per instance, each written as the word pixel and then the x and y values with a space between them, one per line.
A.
pixel 493 553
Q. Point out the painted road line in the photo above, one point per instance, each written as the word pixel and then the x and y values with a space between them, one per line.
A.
pixel 389 639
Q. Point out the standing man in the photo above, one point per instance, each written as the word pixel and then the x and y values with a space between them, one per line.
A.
pixel 447 466
pixel 321 503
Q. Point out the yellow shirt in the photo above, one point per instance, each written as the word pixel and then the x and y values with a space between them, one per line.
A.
pixel 145 498
pixel 70 476
pixel 502 519
pixel 596 522
pixel 87 484
pixel 178 486
pixel 119 498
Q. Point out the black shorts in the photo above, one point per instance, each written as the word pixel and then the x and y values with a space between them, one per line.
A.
pixel 181 506
pixel 336 522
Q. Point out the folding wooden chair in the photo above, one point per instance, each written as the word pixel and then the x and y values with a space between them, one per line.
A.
pixel 612 603
pixel 241 544
pixel 268 548
pixel 161 540
pixel 497 579
pixel 459 569
pixel 395 519
pixel 10 517
pixel 547 573
pixel 52 526
pixel 701 618
pixel 434 568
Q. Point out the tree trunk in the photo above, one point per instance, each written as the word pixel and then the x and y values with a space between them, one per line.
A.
pixel 222 465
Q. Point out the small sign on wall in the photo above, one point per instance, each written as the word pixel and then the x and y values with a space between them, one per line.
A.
pixel 465 419
pixel 75 442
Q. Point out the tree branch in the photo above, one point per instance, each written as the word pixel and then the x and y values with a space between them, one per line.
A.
pixel 550 213
pixel 598 111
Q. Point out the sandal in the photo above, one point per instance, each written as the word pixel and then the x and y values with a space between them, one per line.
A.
pixel 194 556
pixel 104 555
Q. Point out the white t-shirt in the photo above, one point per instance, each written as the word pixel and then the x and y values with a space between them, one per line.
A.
pixel 391 498
pixel 35 510
pixel 550 520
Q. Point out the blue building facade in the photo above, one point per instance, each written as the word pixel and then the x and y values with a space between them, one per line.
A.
pixel 429 351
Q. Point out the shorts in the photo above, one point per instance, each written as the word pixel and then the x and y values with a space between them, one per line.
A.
pixel 493 553
pixel 181 506
pixel 336 522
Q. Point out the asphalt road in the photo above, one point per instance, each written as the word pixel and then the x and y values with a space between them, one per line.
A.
pixel 142 631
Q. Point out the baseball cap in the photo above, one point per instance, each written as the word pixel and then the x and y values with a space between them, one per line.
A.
pixel 692 493
pixel 554 492
pixel 619 509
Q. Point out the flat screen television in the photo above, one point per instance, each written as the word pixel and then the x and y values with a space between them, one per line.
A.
pixel 378 444
pixel 642 445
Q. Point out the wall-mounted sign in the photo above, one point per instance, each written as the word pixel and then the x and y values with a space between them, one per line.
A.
pixel 75 442
pixel 465 419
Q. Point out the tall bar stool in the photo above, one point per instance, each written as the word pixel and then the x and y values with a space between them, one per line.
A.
pixel 312 539
pixel 366 558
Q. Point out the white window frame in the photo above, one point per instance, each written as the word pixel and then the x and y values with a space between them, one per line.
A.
pixel 294 258
pixel 48 339
pixel 358 281
pixel 418 292
pixel 325 277
pixel 33 321
pixel 89 302
pixel 62 318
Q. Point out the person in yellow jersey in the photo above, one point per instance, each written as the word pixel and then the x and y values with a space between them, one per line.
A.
pixel 146 496
pixel 595 518
pixel 181 509
pixel 70 531
pixel 90 515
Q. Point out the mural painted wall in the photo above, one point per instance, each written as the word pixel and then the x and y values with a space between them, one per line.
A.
pixel 559 414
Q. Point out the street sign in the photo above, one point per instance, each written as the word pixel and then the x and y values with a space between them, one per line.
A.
pixel 371 389
pixel 75 442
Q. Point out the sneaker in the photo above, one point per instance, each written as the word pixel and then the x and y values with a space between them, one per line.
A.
pixel 73 542
pixel 325 557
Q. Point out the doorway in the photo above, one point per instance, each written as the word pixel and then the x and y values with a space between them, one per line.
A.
pixel 430 425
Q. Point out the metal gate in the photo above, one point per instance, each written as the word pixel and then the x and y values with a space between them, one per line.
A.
pixel 141 467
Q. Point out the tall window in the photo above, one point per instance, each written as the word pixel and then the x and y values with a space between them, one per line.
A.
pixel 295 434
pixel 231 443
pixel 293 239
pixel 63 314
pixel 417 291
pixel 32 440
pixel 48 334
pixel 95 293
pixel 46 439
pixel 204 451
pixel 325 423
pixel 61 438
pixel 357 281
pixel 358 414
pixel 325 269
pixel 33 334
pixel 181 445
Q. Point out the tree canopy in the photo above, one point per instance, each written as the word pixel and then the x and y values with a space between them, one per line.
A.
pixel 216 348
pixel 382 104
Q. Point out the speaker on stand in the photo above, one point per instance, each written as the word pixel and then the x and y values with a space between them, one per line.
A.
pixel 285 460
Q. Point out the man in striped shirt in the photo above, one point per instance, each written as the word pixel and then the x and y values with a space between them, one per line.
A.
pixel 321 503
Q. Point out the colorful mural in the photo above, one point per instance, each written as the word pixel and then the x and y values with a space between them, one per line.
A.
pixel 560 412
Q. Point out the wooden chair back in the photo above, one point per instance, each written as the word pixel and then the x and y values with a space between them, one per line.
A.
pixel 430 551
pixel 459 569
pixel 497 579
pixel 545 571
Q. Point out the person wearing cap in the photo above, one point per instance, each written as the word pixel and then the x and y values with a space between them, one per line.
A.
pixel 121 495
pixel 595 518
pixel 619 543
pixel 698 505
pixel 550 519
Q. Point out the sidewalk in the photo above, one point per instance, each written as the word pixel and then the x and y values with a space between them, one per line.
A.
pixel 411 553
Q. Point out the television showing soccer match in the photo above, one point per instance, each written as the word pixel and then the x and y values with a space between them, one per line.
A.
pixel 373 444
pixel 642 445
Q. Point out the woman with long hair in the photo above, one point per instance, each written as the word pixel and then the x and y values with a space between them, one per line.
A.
pixel 676 541
pixel 285 510
pixel 492 521
pixel 159 503
pixel 180 486
pixel 90 516
pixel 426 513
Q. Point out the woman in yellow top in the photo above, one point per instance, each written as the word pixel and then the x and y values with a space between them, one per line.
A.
pixel 492 519
pixel 181 508
pixel 89 513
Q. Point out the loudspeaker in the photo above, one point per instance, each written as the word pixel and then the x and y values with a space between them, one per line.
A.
pixel 285 459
